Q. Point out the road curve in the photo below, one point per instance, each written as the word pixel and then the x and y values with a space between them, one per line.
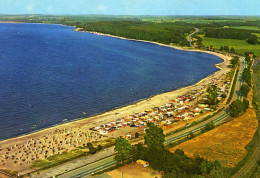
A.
pixel 189 37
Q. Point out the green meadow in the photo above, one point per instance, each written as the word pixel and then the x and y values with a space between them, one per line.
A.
pixel 241 46
pixel 247 27
pixel 257 34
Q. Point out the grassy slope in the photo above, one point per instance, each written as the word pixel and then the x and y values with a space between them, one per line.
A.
pixel 240 46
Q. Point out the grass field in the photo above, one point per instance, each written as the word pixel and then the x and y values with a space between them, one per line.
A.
pixel 246 27
pixel 257 34
pixel 241 46
pixel 225 143
pixel 57 159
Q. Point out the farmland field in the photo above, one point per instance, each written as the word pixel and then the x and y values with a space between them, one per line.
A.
pixel 225 143
pixel 247 27
pixel 241 46
pixel 257 34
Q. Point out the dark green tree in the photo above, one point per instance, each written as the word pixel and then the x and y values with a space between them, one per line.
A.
pixel 123 147
pixel 244 89
pixel 246 103
pixel 154 140
pixel 140 152
pixel 226 48
pixel 236 108
pixel 206 166
pixel 211 169
pixel 99 147
pixel 208 127
pixel 91 148
pixel 246 75
pixel 252 39
pixel 232 50
pixel 199 42
pixel 247 59
pixel 247 53
pixel 154 137
pixel 137 135
pixel 234 61
pixel 190 135
pixel 221 48
pixel 212 91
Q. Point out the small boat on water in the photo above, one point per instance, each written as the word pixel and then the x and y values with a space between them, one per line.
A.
pixel 34 126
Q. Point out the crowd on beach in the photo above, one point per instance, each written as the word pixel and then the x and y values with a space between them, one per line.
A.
pixel 55 143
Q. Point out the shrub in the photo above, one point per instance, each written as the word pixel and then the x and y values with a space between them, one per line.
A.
pixel 236 108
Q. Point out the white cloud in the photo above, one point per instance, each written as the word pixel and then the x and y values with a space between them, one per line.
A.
pixel 101 8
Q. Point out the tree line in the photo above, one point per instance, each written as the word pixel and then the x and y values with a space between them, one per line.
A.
pixel 227 33
pixel 163 33
pixel 238 107
pixel 176 164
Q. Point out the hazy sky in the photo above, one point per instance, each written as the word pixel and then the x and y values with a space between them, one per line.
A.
pixel 132 7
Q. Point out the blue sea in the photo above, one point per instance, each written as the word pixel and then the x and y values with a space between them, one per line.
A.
pixel 50 73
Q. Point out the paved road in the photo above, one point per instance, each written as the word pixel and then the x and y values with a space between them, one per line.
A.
pixel 91 168
pixel 189 37
pixel 75 164
pixel 88 169
pixel 252 162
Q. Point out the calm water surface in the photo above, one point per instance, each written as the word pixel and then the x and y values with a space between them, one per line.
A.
pixel 49 73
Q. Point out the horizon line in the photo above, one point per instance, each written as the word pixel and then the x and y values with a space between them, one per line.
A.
pixel 132 15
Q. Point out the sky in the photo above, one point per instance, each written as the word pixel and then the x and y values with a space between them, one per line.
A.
pixel 132 7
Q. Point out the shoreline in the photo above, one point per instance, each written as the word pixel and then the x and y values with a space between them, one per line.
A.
pixel 144 41
pixel 122 110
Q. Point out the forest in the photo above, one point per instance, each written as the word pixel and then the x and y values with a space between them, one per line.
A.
pixel 163 33
pixel 228 33
pixel 172 164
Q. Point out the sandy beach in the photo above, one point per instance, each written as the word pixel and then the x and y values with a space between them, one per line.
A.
pixel 76 128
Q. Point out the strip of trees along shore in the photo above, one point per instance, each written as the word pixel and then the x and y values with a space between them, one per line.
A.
pixel 239 107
